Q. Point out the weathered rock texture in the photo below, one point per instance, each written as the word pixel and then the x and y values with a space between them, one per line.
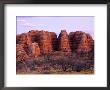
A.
pixel 45 42
pixel 63 41
pixel 35 43
pixel 54 41
pixel 82 43
pixel 20 52
pixel 34 49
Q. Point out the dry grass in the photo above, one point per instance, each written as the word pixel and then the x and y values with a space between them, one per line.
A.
pixel 57 63
pixel 57 72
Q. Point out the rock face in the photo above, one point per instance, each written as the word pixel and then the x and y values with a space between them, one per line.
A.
pixel 34 49
pixel 23 39
pixel 45 42
pixel 20 52
pixel 54 41
pixel 34 36
pixel 63 42
pixel 82 43
pixel 35 43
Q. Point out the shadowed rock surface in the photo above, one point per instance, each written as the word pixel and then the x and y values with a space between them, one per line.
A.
pixel 35 43
pixel 81 43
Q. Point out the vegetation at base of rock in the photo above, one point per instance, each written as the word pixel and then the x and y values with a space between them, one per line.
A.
pixel 44 52
pixel 48 64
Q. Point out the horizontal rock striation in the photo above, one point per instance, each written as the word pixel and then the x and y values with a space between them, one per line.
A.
pixel 35 43
pixel 81 43
pixel 63 42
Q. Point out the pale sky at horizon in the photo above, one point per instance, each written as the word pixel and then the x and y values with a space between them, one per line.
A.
pixel 55 24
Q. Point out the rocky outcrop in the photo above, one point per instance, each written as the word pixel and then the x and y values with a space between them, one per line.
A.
pixel 63 42
pixel 34 35
pixel 24 38
pixel 21 39
pixel 20 52
pixel 54 41
pixel 82 43
pixel 34 49
pixel 35 43
pixel 45 42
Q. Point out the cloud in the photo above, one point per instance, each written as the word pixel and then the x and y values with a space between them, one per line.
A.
pixel 29 24
pixel 33 24
pixel 20 20
pixel 44 24
pixel 25 23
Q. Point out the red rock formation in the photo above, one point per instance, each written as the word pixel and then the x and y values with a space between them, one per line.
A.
pixel 63 41
pixel 35 43
pixel 28 38
pixel 45 42
pixel 81 42
pixel 34 35
pixel 85 44
pixel 44 39
pixel 34 49
pixel 54 41
pixel 21 39
pixel 75 39
pixel 20 52
pixel 24 38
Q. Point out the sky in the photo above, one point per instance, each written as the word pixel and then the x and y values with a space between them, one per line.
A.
pixel 55 24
